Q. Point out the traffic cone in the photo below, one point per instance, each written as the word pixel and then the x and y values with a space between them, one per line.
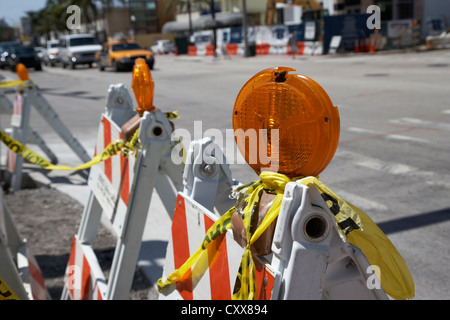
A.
pixel 356 48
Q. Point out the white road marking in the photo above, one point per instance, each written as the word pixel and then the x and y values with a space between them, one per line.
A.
pixel 422 123
pixel 360 202
pixel 393 168
pixel 394 137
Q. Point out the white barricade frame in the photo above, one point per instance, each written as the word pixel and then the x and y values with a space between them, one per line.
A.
pixel 304 265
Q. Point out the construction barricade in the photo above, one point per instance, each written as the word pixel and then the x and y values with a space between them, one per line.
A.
pixel 310 260
pixel 294 237
pixel 121 187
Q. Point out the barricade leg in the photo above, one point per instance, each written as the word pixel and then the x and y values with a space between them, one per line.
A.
pixel 10 274
pixel 47 112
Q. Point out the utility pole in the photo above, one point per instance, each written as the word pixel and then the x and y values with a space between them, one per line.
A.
pixel 190 19
pixel 213 16
pixel 244 28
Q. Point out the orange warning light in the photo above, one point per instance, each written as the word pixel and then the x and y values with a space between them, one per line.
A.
pixel 308 124
pixel 22 72
pixel 143 86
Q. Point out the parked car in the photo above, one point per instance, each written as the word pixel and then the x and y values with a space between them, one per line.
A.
pixel 26 56
pixel 163 47
pixel 51 53
pixel 5 52
pixel 120 55
pixel 78 49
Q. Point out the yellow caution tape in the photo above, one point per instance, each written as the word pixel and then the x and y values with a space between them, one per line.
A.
pixel 112 149
pixel 396 279
pixel 15 83
pixel 172 115
pixel 5 291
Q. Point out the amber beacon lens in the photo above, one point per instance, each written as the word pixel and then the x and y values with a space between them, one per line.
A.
pixel 143 86
pixel 290 118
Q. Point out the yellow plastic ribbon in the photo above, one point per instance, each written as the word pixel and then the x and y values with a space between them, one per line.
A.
pixel 111 150
pixel 15 83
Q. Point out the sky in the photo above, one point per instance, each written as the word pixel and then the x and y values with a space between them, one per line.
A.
pixel 13 10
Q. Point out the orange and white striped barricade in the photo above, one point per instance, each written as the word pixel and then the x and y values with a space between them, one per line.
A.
pixel 31 274
pixel 310 259
pixel 190 223
pixel 85 279
pixel 122 188
pixel 207 186
pixel 18 267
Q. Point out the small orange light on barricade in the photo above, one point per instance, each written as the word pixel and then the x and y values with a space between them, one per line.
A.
pixel 143 86
pixel 308 124
pixel 22 72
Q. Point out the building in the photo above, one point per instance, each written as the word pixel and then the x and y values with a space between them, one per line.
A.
pixel 149 16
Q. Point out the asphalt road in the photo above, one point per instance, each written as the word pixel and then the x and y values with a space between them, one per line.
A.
pixel 393 157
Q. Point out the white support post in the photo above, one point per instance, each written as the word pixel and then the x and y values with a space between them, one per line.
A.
pixel 154 135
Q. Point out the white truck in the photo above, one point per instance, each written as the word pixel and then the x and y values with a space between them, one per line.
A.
pixel 78 49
